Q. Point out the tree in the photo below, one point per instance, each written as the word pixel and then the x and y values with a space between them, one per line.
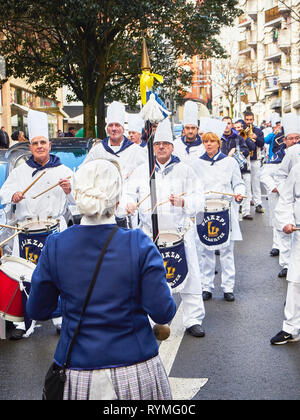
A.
pixel 94 46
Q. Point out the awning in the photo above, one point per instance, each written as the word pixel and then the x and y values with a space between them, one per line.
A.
pixel 53 110
pixel 16 107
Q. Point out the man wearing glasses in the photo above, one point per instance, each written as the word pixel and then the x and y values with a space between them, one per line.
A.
pixel 51 204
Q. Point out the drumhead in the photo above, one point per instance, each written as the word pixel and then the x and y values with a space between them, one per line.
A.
pixel 167 239
pixel 39 225
pixel 216 205
pixel 16 267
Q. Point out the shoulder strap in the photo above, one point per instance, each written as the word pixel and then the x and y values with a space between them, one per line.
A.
pixel 92 284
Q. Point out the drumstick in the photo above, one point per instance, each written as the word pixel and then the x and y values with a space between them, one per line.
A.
pixel 10 227
pixel 29 186
pixel 296 228
pixel 140 202
pixel 165 202
pixel 11 237
pixel 231 195
pixel 50 188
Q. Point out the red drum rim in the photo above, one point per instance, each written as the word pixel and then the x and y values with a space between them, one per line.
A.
pixel 21 261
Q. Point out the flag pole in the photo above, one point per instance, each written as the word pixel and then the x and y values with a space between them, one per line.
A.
pixel 146 67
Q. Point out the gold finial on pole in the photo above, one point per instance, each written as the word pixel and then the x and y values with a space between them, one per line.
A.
pixel 145 57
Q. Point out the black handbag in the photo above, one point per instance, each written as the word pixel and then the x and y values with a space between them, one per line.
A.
pixel 56 376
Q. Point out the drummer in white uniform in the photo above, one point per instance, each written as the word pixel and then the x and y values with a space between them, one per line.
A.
pixel 51 204
pixel 182 196
pixel 189 147
pixel 220 174
pixel 269 178
pixel 287 215
pixel 117 146
pixel 292 155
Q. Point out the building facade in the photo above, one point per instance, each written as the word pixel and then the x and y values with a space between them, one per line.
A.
pixel 268 47
pixel 17 97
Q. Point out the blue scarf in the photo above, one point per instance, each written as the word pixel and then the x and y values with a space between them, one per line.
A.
pixel 218 156
pixel 170 165
pixel 126 143
pixel 52 163
pixel 277 157
pixel 188 145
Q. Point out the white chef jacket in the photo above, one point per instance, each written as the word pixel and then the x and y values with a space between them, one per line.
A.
pixel 128 159
pixel 287 212
pixel 51 204
pixel 185 157
pixel 223 176
pixel 171 178
pixel 291 158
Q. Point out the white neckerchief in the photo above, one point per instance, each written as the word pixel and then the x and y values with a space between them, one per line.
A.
pixel 97 220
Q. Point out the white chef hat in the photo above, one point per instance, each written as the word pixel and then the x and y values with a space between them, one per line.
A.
pixel 275 118
pixel 190 113
pixel 135 123
pixel 291 123
pixel 97 187
pixel 213 125
pixel 116 113
pixel 164 132
pixel 37 124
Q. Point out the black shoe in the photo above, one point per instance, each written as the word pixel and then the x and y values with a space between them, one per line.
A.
pixel 196 330
pixel 229 297
pixel 283 272
pixel 283 337
pixel 206 295
pixel 9 326
pixel 274 252
pixel 248 217
pixel 259 209
pixel 17 334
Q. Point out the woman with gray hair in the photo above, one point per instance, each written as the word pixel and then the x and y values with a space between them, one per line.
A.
pixel 115 355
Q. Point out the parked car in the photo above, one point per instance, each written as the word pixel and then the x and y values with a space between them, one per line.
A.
pixel 71 151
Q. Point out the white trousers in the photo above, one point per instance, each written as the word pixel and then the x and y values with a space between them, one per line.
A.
pixel 246 201
pixel 255 182
pixel 291 324
pixel 208 265
pixel 193 309
pixel 283 242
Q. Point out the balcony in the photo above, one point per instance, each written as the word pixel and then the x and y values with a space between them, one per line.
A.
pixel 284 40
pixel 272 52
pixel 273 18
pixel 251 9
pixel 244 21
pixel 284 9
pixel 285 77
pixel 251 37
pixel 244 48
pixel 272 84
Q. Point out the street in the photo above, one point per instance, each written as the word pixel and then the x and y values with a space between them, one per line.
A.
pixel 234 361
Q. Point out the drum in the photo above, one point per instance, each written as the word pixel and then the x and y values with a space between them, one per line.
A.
pixel 171 248
pixel 214 230
pixel 15 279
pixel 33 237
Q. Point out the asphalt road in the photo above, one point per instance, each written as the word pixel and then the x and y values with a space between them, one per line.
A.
pixel 235 355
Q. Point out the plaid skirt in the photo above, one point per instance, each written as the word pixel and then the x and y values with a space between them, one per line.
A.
pixel 142 381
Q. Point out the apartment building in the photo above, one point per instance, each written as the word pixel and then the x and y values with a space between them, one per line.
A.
pixel 17 97
pixel 269 47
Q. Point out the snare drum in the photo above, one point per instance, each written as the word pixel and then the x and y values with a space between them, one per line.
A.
pixel 214 230
pixel 15 279
pixel 171 248
pixel 33 237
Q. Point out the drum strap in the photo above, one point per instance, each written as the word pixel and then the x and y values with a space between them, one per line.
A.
pixel 92 284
